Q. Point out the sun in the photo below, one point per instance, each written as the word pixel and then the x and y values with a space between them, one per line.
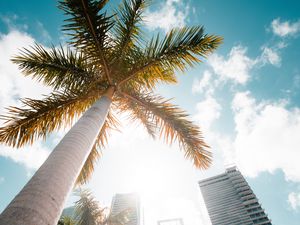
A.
pixel 159 173
pixel 159 186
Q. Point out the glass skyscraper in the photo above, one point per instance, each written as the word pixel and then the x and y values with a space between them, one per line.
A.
pixel 230 201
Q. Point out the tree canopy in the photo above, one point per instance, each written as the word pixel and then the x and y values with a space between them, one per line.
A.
pixel 106 50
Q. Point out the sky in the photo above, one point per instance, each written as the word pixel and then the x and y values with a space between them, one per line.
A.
pixel 245 98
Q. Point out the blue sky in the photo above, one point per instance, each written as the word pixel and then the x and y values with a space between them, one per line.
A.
pixel 245 97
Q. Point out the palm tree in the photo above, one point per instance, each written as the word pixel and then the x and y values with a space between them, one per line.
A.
pixel 108 68
pixel 88 212
pixel 66 220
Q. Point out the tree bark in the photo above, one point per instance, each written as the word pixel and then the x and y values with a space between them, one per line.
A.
pixel 42 199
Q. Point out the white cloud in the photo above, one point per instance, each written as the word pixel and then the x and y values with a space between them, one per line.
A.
pixel 13 85
pixel 11 22
pixel 14 23
pixel 43 32
pixel 2 179
pixel 296 81
pixel 235 68
pixel 294 200
pixel 237 65
pixel 271 56
pixel 285 28
pixel 170 14
pixel 281 45
pixel 31 156
pixel 199 86
pixel 267 136
pixel 208 111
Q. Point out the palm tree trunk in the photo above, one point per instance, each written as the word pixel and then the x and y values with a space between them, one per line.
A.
pixel 42 200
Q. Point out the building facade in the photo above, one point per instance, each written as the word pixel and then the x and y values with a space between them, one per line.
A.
pixel 129 203
pixel 230 201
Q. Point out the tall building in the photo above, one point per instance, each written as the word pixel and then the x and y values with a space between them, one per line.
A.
pixel 230 201
pixel 128 202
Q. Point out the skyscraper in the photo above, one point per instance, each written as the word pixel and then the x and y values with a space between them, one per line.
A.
pixel 130 202
pixel 230 201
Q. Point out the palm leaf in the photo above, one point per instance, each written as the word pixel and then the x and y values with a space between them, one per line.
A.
pixel 181 46
pixel 56 67
pixel 173 125
pixel 87 210
pixel 88 28
pixel 121 218
pixel 126 27
pixel 66 220
pixel 136 114
pixel 38 118
pixel 148 78
pixel 109 51
pixel 177 50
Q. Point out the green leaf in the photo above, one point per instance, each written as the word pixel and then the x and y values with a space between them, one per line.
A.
pixel 89 28
pixel 127 25
pixel 178 50
pixel 38 118
pixel 173 125
pixel 56 67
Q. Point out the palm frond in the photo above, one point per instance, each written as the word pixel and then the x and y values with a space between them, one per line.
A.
pixel 179 49
pixel 126 29
pixel 135 113
pixel 121 218
pixel 181 46
pixel 66 220
pixel 87 210
pixel 56 67
pixel 147 78
pixel 86 172
pixel 40 117
pixel 173 125
pixel 88 28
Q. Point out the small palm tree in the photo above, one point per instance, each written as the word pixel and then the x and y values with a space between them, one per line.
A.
pixel 66 220
pixel 108 68
pixel 88 212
